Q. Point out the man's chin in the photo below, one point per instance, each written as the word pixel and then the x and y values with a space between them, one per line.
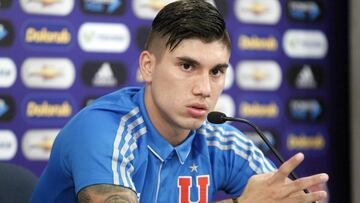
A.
pixel 196 123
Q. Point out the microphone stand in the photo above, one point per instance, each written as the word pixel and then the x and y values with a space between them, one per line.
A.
pixel 267 142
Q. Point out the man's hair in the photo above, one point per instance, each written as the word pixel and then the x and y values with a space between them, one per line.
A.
pixel 187 19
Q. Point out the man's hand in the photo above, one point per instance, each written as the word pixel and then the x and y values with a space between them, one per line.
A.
pixel 277 187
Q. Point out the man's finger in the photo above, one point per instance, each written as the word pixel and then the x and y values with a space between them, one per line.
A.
pixel 306 182
pixel 286 168
pixel 310 197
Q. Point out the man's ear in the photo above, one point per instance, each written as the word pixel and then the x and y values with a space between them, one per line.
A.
pixel 146 65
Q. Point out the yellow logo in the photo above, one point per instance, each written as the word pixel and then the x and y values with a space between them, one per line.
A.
pixel 256 43
pixel 257 110
pixel 45 144
pixel 45 109
pixel 259 74
pixel 258 8
pixel 46 2
pixel 47 37
pixel 303 142
pixel 46 73
pixel 156 5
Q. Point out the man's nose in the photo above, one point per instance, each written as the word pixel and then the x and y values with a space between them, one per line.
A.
pixel 202 86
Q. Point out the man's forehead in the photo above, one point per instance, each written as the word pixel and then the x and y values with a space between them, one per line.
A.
pixel 188 41
pixel 198 47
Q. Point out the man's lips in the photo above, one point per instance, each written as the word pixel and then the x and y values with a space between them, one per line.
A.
pixel 197 110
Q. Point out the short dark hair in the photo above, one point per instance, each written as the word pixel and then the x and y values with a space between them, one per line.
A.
pixel 187 19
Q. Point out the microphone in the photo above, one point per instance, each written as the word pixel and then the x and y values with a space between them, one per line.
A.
pixel 216 117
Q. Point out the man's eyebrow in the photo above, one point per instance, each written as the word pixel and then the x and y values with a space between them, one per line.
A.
pixel 188 60
pixel 194 62
pixel 222 66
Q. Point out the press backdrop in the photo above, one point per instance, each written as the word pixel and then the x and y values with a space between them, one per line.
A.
pixel 288 73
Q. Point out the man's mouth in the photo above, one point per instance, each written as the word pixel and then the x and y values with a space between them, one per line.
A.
pixel 197 110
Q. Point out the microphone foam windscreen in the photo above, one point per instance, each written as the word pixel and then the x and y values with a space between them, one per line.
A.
pixel 216 117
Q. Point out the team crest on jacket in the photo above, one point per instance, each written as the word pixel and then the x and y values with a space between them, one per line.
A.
pixel 185 184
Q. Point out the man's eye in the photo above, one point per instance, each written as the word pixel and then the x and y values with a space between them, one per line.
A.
pixel 186 66
pixel 216 72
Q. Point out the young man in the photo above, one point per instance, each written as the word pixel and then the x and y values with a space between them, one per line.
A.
pixel 153 144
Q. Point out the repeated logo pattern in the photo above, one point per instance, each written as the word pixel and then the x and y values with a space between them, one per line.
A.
pixel 56 56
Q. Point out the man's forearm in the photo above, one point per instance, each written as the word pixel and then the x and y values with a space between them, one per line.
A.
pixel 227 201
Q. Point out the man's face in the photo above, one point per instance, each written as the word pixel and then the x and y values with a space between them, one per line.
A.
pixel 185 83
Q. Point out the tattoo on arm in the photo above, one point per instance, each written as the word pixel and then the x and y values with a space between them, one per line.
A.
pixel 227 201
pixel 105 193
pixel 83 196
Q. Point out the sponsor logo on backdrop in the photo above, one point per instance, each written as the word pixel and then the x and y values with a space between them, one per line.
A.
pixel 104 74
pixel 50 108
pixel 7 108
pixel 305 76
pixel 258 75
pixel 258 12
pixel 270 135
pixel 104 37
pixel 229 77
pixel 256 109
pixel 48 73
pixel 312 142
pixel 7 34
pixel 260 108
pixel 262 42
pixel 108 7
pixel 226 105
pixel 305 141
pixel 37 144
pixel 305 10
pixel 5 3
pixel 147 9
pixel 8 145
pixel 48 34
pixel 257 42
pixel 305 44
pixel 305 109
pixel 47 7
pixel 7 72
